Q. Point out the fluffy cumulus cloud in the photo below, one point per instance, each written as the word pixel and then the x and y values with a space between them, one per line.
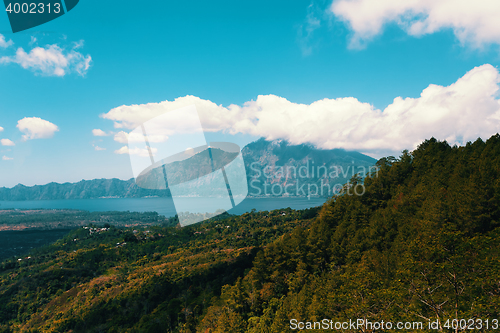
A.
pixel 143 152
pixel 99 132
pixel 51 60
pixel 7 142
pixel 36 128
pixel 3 43
pixel 6 158
pixel 124 137
pixel 473 22
pixel 132 116
pixel 1 128
pixel 460 112
pixel 97 148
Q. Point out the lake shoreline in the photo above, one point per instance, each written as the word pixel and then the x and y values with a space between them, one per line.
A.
pixel 161 206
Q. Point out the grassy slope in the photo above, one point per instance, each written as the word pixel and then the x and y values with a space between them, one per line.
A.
pixel 162 277
pixel 421 244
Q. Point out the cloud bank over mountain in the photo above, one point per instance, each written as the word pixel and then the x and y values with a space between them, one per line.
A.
pixel 461 112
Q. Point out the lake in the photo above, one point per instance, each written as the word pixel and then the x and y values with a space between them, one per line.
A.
pixel 19 243
pixel 163 206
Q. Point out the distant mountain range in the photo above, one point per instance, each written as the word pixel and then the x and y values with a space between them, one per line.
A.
pixel 278 168
pixel 274 168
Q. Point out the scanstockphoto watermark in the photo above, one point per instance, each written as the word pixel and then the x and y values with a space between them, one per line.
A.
pixel 358 324
pixel 308 180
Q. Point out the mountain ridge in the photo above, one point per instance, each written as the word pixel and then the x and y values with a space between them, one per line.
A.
pixel 258 155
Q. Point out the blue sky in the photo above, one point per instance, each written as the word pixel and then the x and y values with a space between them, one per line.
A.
pixel 333 68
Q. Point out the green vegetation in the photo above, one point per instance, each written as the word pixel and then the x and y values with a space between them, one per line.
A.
pixel 421 244
pixel 17 219
pixel 101 278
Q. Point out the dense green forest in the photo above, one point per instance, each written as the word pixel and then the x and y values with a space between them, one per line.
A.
pixel 102 278
pixel 421 244
pixel 18 219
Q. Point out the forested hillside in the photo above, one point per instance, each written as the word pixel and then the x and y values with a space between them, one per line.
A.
pixel 421 244
pixel 101 278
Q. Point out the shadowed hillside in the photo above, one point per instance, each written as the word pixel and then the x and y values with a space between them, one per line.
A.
pixel 422 244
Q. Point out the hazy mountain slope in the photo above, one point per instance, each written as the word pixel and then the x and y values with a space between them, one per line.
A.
pixel 277 166
pixel 85 189
pixel 278 156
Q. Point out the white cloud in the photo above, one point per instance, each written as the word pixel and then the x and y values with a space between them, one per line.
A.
pixel 121 137
pixel 130 117
pixel 1 128
pixel 3 43
pixel 144 152
pixel 473 22
pixel 36 128
pixel 122 150
pixel 124 137
pixel 99 132
pixel 7 142
pixel 96 147
pixel 51 60
pixel 460 112
pixel 78 45
pixel 6 158
pixel 306 30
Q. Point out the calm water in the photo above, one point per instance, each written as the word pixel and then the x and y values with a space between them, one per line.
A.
pixel 164 206
pixel 19 243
